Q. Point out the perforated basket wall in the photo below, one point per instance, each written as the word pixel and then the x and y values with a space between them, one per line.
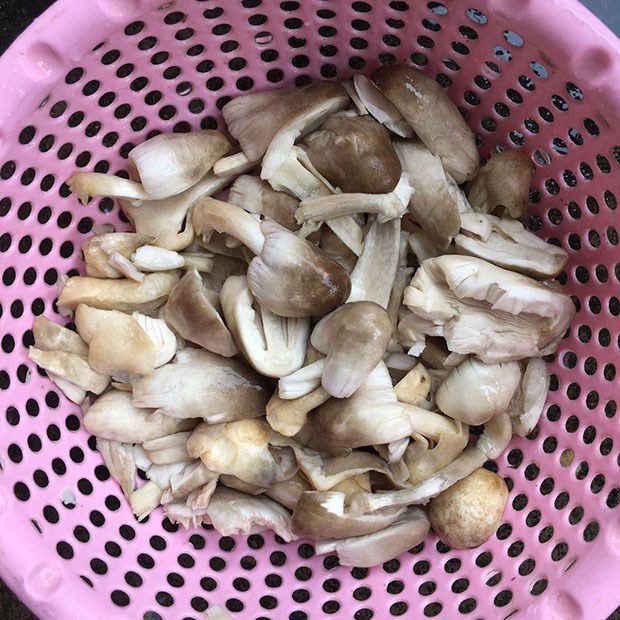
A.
pixel 91 79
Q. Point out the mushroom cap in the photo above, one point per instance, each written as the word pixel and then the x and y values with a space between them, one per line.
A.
pixel 529 399
pixel 354 154
pixel 288 492
pixel 294 278
pixel 436 120
pixel 502 186
pixel 354 338
pixel 469 512
pixel 489 389
pixel 194 314
pixel 50 336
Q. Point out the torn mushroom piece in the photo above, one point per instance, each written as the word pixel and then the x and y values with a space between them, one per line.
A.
pixel 145 499
pixel 287 492
pixel 122 295
pixel 489 389
pixel 530 397
pixel 355 154
pixel 507 244
pixel 240 449
pixel 182 484
pixel 288 417
pixel 120 461
pixel 426 106
pixel 303 381
pixel 113 416
pixel 274 345
pixel 102 252
pixel 482 309
pixel 434 204
pixel 86 185
pixel 258 197
pixel 380 107
pixel 408 531
pixel 152 258
pixel 122 345
pixel 167 450
pixel 200 384
pixel 289 276
pixel 49 336
pixel 193 311
pixel 354 338
pixel 502 186
pixel 414 387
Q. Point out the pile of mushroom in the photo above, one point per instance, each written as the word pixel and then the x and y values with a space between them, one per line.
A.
pixel 307 351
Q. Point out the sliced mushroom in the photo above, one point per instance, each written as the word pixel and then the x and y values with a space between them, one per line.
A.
pixel 529 400
pixel 468 513
pixel 113 416
pixel 489 389
pixel 274 345
pixel 289 276
pixel 288 492
pixel 502 186
pixel 168 450
pixel 49 336
pixel 507 244
pixel 321 515
pixel 123 295
pixel 434 204
pixel 354 154
pixel 120 461
pixel 201 384
pixel 408 531
pixel 193 477
pixel 99 250
pixel 482 309
pixel 354 338
pixel 118 344
pixel 258 197
pixel 192 310
pixel 372 415
pixel 238 448
pixel 425 105
pixel 381 108
pixel 231 513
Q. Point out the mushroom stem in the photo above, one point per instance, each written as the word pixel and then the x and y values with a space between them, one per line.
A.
pixel 301 382
pixel 86 185
pixel 288 417
pixel 232 165
pixel 145 500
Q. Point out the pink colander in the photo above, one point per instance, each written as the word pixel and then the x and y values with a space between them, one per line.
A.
pixel 91 79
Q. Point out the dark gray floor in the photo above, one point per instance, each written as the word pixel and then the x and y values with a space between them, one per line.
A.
pixel 15 15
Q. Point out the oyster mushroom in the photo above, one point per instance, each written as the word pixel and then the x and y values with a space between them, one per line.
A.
pixel 303 381
pixel 167 450
pixel 231 513
pixel 217 612
pixel 502 186
pixel 258 197
pixel 238 448
pixel 333 246
pixel 223 268
pixel 434 204
pixel 145 499
pixel 529 399
pixel 321 515
pixel 354 338
pixel 200 384
pixel 380 107
pixel 507 244
pixel 86 185
pixel 123 295
pixel 287 492
pixel 468 513
pixel 414 387
pixel 101 253
pixel 354 154
pixel 192 310
pixel 485 310
pixel 185 515
pixel 288 417
pixel 152 258
pixel 489 389
pixel 274 345
pixel 50 336
pixel 113 416
pixel 122 345
pixel 289 276
pixel 182 484
pixel 408 531
pixel 435 119
pixel 119 459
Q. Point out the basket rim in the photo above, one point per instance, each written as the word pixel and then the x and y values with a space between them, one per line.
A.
pixel 61 36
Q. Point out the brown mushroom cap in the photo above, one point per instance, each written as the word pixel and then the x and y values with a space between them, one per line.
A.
pixel 468 513
pixel 354 154
pixel 193 313
pixel 436 120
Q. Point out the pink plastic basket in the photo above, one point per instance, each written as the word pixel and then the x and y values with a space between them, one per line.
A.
pixel 89 80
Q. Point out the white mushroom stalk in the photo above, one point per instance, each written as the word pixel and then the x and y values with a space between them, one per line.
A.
pixel 200 384
pixel 303 381
pixel 119 459
pixel 274 345
pixel 408 531
pixel 288 417
pixel 507 244
pixel 152 258
pixel 182 484
pixel 145 499
pixel 490 445
pixel 529 400
pixel 232 165
pixel 101 251
pixel 87 185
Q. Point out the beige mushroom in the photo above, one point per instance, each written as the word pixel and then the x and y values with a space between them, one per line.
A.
pixel 145 499
pixel 49 336
pixel 437 356
pixel 86 185
pixel 119 459
pixel 529 399
pixel 193 477
pixel 414 387
pixel 100 252
pixel 502 186
pixel 468 513
pixel 354 338
pixel 288 492
pixel 303 381
pixel 167 450
pixel 288 417
pixel 435 119
pixel 200 384
pixel 192 310
pixel 123 295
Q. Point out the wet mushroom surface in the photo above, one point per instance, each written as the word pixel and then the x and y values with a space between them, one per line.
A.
pixel 324 326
